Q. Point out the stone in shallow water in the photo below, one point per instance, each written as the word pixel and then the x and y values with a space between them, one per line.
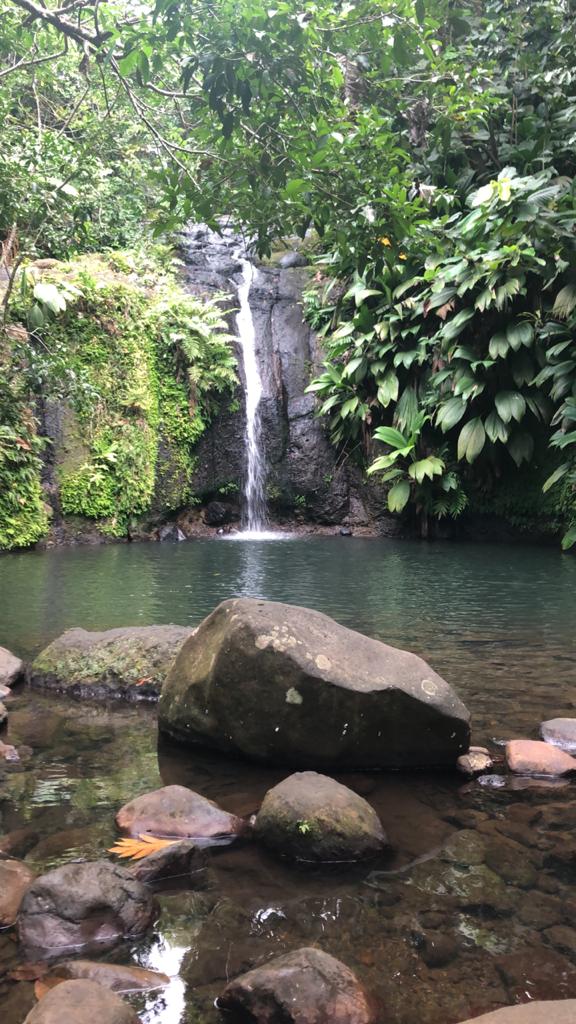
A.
pixel 465 847
pixel 175 812
pixel 130 663
pixel 311 817
pixel 532 757
pixel 307 986
pixel 285 684
pixel 83 906
pixel 15 879
pixel 11 668
pixel 81 1002
pixel 476 761
pixel 560 732
pixel 179 860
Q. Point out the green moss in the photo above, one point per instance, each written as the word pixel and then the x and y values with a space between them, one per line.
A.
pixel 143 367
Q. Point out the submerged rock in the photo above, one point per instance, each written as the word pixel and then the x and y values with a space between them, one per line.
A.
pixel 560 732
pixel 175 861
pixel 115 977
pixel 131 663
pixel 286 684
pixel 307 986
pixel 532 757
pixel 555 1011
pixel 11 668
pixel 81 1002
pixel 175 812
pixel 15 879
pixel 311 817
pixel 83 906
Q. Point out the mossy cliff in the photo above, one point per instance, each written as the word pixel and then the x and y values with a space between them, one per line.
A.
pixel 122 370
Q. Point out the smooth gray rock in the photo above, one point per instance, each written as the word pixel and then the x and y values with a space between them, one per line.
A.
pixel 11 668
pixel 81 1002
pixel 83 906
pixel 312 817
pixel 284 684
pixel 560 732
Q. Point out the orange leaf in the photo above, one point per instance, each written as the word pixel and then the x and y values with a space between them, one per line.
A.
pixel 136 849
pixel 144 679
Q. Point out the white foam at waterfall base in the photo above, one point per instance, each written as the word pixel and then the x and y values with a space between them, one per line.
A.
pixel 254 519
pixel 258 535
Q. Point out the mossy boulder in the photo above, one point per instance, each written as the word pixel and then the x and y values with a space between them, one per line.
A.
pixel 312 817
pixel 289 685
pixel 129 663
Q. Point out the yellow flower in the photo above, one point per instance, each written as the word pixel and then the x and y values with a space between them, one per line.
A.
pixel 402 256
pixel 385 241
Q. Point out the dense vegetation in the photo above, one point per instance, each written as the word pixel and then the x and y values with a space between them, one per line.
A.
pixel 430 148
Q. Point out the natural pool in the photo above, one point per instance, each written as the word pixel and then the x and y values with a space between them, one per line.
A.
pixel 451 925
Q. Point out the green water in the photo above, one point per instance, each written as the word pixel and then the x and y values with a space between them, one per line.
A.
pixel 498 623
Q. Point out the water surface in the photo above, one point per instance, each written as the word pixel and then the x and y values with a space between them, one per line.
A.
pixel 485 874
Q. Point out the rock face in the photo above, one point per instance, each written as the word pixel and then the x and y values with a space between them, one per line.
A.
pixel 83 906
pixel 304 987
pixel 81 1002
pixel 129 663
pixel 531 757
pixel 311 817
pixel 15 879
pixel 289 685
pixel 175 812
pixel 560 732
pixel 302 463
pixel 11 668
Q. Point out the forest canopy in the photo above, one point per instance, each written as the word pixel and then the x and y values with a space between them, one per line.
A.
pixel 425 150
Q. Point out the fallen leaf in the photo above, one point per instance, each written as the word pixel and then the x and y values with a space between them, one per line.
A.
pixel 145 679
pixel 136 849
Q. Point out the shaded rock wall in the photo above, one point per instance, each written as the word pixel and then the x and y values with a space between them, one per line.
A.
pixel 304 475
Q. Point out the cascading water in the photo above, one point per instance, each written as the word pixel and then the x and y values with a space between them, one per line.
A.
pixel 254 512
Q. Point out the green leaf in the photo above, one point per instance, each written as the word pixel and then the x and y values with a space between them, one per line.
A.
pixel 565 301
pixel 428 467
pixel 498 346
pixel 450 413
pixel 521 447
pixel 455 326
pixel 557 475
pixel 471 440
pixel 569 539
pixel 50 297
pixel 391 436
pixel 388 389
pixel 519 334
pixel 496 429
pixel 510 405
pixel 398 496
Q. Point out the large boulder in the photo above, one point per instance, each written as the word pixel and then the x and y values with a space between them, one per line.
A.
pixel 307 986
pixel 83 906
pixel 15 879
pixel 130 663
pixel 11 668
pixel 81 1002
pixel 175 812
pixel 311 817
pixel 285 684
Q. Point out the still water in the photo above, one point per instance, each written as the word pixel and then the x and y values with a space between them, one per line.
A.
pixel 483 874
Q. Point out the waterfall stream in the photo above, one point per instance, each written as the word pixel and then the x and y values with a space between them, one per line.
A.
pixel 254 510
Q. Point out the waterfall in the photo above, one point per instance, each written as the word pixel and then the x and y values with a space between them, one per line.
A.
pixel 254 510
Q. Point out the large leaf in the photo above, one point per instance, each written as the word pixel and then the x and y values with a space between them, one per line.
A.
pixel 496 429
pixel 456 325
pixel 398 496
pixel 450 413
pixel 471 440
pixel 391 436
pixel 557 475
pixel 511 405
pixel 569 539
pixel 565 301
pixel 521 447
pixel 429 467
pixel 518 334
pixel 136 849
pixel 388 389
pixel 498 345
